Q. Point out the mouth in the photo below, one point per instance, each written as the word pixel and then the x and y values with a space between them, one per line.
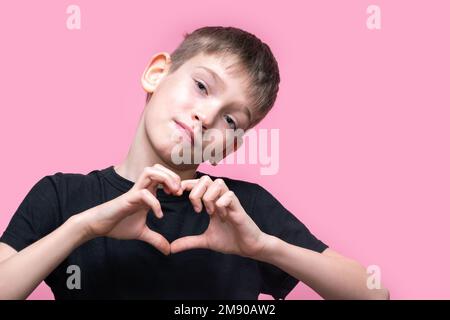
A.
pixel 186 130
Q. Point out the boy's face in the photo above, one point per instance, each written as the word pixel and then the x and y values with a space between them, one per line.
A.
pixel 193 97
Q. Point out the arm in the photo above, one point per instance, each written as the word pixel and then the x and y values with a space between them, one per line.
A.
pixel 121 218
pixel 330 274
pixel 21 272
pixel 231 230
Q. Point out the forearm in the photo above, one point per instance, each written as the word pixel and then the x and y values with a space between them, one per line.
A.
pixel 330 277
pixel 21 273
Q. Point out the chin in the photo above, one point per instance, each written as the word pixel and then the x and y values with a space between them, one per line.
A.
pixel 166 141
pixel 164 152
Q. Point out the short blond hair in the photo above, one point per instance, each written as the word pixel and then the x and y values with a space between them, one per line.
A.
pixel 254 58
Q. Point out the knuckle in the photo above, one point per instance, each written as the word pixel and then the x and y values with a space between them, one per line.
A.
pixel 207 198
pixel 165 176
pixel 148 170
pixel 219 182
pixel 205 178
pixel 143 192
pixel 192 197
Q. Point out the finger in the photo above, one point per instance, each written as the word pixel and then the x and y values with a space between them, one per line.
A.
pixel 175 176
pixel 172 177
pixel 187 243
pixel 150 177
pixel 231 206
pixel 170 183
pixel 213 193
pixel 188 184
pixel 198 191
pixel 150 200
pixel 221 212
pixel 156 240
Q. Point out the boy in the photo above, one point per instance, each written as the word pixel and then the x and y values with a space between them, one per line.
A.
pixel 149 228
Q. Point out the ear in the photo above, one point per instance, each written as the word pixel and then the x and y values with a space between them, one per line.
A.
pixel 156 70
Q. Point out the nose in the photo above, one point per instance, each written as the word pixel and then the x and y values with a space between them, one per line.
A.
pixel 198 116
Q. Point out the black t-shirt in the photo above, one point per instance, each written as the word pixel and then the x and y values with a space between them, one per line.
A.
pixel 133 269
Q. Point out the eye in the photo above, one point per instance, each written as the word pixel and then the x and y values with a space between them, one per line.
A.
pixel 231 122
pixel 201 86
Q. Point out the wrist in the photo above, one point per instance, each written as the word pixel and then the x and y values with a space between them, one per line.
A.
pixel 269 249
pixel 80 223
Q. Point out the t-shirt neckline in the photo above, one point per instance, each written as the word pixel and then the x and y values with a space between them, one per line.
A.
pixel 123 184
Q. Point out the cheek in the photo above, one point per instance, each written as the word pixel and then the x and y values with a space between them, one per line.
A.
pixel 218 139
pixel 171 98
pixel 181 99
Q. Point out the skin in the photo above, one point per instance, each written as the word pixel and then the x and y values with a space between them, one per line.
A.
pixel 209 105
pixel 190 95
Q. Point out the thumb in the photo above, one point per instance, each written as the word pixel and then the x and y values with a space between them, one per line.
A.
pixel 156 240
pixel 189 242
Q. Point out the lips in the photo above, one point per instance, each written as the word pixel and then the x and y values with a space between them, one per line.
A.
pixel 187 130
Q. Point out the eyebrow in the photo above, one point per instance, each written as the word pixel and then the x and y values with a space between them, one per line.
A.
pixel 217 78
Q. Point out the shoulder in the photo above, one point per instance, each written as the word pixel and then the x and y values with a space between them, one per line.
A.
pixel 64 187
pixel 71 180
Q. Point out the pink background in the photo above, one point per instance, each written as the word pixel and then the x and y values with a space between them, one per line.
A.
pixel 363 115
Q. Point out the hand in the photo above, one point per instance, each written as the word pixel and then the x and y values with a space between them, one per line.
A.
pixel 230 229
pixel 125 216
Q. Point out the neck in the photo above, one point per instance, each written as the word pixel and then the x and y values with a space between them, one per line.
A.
pixel 141 154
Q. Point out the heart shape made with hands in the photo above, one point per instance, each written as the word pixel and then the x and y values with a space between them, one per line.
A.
pixel 230 229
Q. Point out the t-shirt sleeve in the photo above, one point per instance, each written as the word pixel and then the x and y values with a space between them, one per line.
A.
pixel 274 219
pixel 35 217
